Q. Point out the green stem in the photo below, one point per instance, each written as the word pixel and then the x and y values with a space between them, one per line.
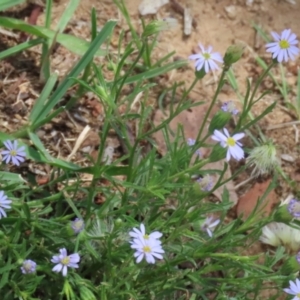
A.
pixel 260 80
pixel 194 167
pixel 220 84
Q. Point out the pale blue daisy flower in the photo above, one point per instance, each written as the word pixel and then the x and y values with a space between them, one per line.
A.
pixel 294 289
pixel 230 108
pixel 284 47
pixel 298 257
pixel 294 208
pixel 28 266
pixel 206 59
pixel 4 204
pixel 13 153
pixel 234 148
pixel 146 246
pixel 141 234
pixel 148 249
pixel 206 183
pixel 209 225
pixel 64 261
pixel 77 225
pixel 192 142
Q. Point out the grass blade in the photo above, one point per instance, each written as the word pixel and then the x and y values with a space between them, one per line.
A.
pixel 85 60
pixel 20 47
pixel 67 15
pixel 10 3
pixel 72 43
pixel 42 100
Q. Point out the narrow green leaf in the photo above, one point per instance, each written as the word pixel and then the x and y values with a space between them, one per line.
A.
pixel 39 145
pixel 155 72
pixel 79 67
pixel 48 13
pixel 72 43
pixel 5 4
pixel 20 47
pixel 47 158
pixel 73 206
pixel 67 15
pixel 265 112
pixel 12 177
pixel 42 100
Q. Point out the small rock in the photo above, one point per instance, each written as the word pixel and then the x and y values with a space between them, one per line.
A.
pixel 287 157
pixel 150 7
pixel 231 12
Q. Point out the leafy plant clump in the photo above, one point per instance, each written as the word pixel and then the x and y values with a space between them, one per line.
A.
pixel 157 234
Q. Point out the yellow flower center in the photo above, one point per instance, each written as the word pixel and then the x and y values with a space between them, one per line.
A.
pixel 206 55
pixel 284 44
pixel 78 224
pixel 13 152
pixel 65 261
pixel 231 142
pixel 147 249
pixel 146 237
pixel 27 266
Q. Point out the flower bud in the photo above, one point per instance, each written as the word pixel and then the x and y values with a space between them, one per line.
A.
pixel 264 159
pixel 200 74
pixel 282 215
pixel 219 120
pixel 218 153
pixel 157 26
pixel 102 93
pixel 233 54
pixel 291 265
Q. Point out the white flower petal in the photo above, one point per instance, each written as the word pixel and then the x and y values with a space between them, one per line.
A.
pixel 57 268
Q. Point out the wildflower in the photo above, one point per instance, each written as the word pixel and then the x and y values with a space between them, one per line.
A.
pixel 147 248
pixel 280 234
pixel 284 47
pixel 264 159
pixel 298 257
pixel 77 225
pixel 141 234
pixel 28 266
pixel 206 183
pixel 14 154
pixel 294 289
pixel 206 59
pixel 233 54
pixel 230 107
pixel 226 141
pixel 294 208
pixel 291 265
pixel 64 261
pixel 209 225
pixel 157 26
pixel 192 142
pixel 287 210
pixel 4 204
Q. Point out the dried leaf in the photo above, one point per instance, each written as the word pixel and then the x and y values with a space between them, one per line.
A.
pixel 248 201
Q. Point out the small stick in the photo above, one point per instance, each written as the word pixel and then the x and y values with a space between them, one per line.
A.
pixel 282 125
pixel 179 9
